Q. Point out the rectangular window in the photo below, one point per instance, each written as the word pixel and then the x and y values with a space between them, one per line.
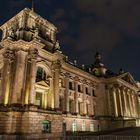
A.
pixel 74 127
pixel 83 126
pixel 93 93
pixel 38 98
pixel 79 88
pixel 87 90
pixel 39 73
pixel 91 127
pixel 46 127
pixel 70 86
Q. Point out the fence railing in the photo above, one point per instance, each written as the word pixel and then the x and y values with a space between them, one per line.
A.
pixel 107 137
pixel 103 138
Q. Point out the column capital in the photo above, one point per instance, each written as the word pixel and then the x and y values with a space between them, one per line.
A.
pixel 127 89
pixel 122 87
pixel 56 65
pixel 33 53
pixel 110 86
pixel 9 55
pixel 117 85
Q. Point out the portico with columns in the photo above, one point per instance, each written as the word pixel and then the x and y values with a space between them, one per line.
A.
pixel 123 100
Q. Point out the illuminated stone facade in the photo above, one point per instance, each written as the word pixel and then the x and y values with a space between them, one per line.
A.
pixel 41 90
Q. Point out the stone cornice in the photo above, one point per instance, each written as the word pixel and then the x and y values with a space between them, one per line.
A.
pixel 28 13
pixel 21 44
pixel 121 82
pixel 78 72
pixel 50 56
pixel 127 84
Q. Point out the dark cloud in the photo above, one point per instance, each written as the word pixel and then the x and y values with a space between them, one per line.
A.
pixel 16 3
pixel 87 26
pixel 97 36
pixel 58 14
pixel 120 14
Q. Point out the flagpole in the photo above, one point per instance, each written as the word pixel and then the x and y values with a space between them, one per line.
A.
pixel 33 5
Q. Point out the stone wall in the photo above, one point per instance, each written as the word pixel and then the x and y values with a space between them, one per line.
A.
pixel 79 121
pixel 116 124
pixel 28 122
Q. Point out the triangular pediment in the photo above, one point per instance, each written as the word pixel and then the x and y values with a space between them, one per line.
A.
pixel 43 83
pixel 127 77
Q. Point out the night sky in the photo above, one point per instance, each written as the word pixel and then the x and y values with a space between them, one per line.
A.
pixel 111 27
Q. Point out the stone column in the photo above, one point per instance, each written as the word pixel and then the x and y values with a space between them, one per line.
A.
pixel 76 97
pixel 108 92
pixel 137 105
pixel 133 106
pixel 8 56
pixel 82 111
pixel 66 93
pixel 119 101
pixel 45 99
pixel 33 57
pixel 84 99
pixel 115 102
pixel 19 77
pixel 51 95
pixel 127 103
pixel 130 104
pixel 56 70
pixel 123 98
pixel 91 102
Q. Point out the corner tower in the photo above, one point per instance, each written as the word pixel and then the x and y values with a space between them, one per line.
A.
pixel 29 66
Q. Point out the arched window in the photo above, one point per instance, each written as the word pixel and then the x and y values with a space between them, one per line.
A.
pixel 41 74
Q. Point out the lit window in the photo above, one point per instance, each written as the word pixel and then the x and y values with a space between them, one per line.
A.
pixel 83 126
pixel 91 127
pixel 46 127
pixel 74 126
pixel 38 98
